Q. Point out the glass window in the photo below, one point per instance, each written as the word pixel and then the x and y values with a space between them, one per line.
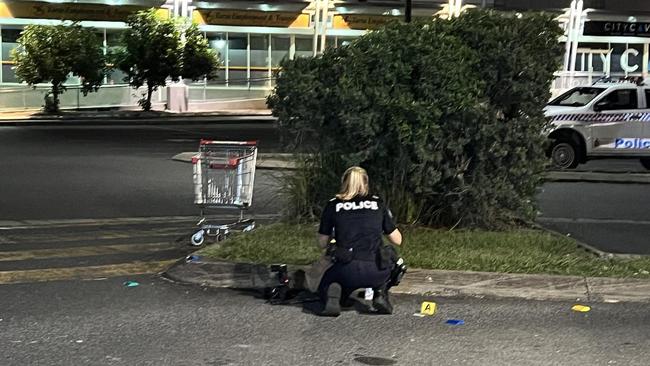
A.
pixel 304 46
pixel 9 42
pixel 279 49
pixel 8 75
pixel 259 59
pixel 344 41
pixel 616 58
pixel 237 69
pixel 218 42
pixel 115 76
pixel 330 41
pixel 259 50
pixel 618 99
pixel 577 97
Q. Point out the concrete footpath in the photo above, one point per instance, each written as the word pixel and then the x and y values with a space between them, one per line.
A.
pixel 437 283
pixel 121 117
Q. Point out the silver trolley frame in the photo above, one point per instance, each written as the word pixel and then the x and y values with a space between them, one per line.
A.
pixel 224 177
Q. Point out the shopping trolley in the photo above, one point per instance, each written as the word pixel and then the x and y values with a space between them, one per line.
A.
pixel 224 174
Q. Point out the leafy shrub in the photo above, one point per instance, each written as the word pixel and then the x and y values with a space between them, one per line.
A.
pixel 446 116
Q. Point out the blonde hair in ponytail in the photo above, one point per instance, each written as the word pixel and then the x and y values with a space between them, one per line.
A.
pixel 353 183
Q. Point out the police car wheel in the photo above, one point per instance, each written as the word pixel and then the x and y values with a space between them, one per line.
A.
pixel 646 163
pixel 564 155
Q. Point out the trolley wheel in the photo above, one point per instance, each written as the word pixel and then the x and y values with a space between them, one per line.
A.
pixel 197 239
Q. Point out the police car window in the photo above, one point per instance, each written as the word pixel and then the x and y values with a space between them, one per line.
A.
pixel 619 99
pixel 577 97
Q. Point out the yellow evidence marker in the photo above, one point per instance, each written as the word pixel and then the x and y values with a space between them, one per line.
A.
pixel 428 308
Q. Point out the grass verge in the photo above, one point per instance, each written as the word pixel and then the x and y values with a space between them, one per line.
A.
pixel 518 251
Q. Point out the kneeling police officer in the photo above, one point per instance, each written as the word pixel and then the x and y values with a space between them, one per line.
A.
pixel 357 220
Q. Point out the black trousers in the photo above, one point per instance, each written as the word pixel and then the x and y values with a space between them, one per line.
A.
pixel 354 275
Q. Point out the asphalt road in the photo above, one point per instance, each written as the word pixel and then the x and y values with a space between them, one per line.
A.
pixel 611 217
pixel 159 323
pixel 98 172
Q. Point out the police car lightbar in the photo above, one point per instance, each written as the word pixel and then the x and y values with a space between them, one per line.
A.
pixel 638 80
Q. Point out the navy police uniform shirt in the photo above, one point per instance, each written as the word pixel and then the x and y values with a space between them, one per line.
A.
pixel 357 223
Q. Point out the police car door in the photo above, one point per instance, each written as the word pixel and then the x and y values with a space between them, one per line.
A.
pixel 616 128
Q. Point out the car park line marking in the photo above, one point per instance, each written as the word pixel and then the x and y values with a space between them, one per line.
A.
pixel 67 237
pixel 591 221
pixel 36 224
pixel 90 272
pixel 86 251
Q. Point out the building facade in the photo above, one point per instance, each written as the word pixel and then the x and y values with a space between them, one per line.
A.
pixel 602 37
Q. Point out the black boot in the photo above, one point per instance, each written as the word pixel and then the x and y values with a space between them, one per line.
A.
pixel 381 303
pixel 332 306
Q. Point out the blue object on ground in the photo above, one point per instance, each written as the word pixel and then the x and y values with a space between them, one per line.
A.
pixel 455 322
pixel 131 284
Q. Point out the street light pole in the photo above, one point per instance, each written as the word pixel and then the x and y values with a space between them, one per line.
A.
pixel 407 12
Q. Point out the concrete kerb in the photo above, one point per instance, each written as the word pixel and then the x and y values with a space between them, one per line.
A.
pixel 264 160
pixel 598 177
pixel 437 283
pixel 285 161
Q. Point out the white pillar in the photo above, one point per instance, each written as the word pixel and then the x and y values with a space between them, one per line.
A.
pixel 292 47
pixel 316 22
pixel 644 70
pixel 184 9
pixel 177 6
pixel 569 39
pixel 248 59
pixel 459 5
pixel 324 25
pixel 269 63
pixel 576 34
pixel 227 59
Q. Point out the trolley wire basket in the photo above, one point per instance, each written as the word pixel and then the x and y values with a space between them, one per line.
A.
pixel 224 177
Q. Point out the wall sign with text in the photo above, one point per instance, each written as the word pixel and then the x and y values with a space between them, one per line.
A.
pixel 251 18
pixel 602 28
pixel 66 11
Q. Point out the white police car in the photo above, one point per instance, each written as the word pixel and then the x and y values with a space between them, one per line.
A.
pixel 602 120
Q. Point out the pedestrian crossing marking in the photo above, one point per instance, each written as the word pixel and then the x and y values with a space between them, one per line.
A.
pixel 86 251
pixel 99 235
pixel 59 250
pixel 89 272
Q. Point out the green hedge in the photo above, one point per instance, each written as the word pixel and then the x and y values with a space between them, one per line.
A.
pixel 446 116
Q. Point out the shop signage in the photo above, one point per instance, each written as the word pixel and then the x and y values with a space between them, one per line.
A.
pixel 360 21
pixel 602 28
pixel 251 18
pixel 66 11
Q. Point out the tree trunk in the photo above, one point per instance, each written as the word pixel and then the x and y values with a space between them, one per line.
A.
pixel 52 99
pixel 149 92
pixel 55 96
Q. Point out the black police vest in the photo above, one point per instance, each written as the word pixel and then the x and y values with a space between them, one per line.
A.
pixel 358 227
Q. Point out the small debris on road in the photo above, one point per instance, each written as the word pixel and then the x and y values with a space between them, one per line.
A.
pixel 192 258
pixel 455 322
pixel 581 308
